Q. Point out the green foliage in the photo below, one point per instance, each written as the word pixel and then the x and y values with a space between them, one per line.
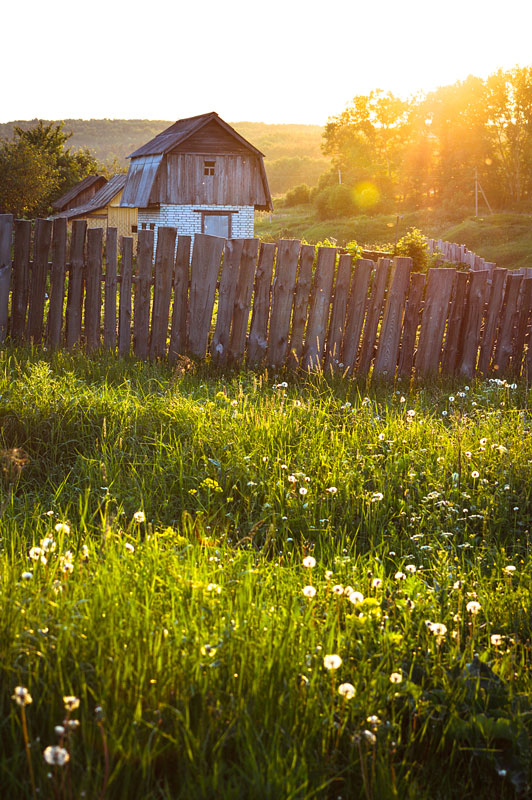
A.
pixel 414 245
pixel 184 630
pixel 297 196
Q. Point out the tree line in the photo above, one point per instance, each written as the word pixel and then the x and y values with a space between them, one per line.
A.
pixel 431 150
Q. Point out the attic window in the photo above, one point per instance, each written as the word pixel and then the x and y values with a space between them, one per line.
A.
pixel 208 167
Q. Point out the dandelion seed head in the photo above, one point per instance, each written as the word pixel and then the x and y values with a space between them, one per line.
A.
pixel 309 562
pixel 369 736
pixel 473 607
pixel 309 591
pixel 396 677
pixel 62 527
pixel 347 690
pixel 356 598
pixel 56 756
pixel 71 702
pixel 139 517
pixel 332 661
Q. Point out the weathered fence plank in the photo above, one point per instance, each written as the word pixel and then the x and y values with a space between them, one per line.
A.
pixel 178 335
pixel 226 300
pixel 472 322
pixel 124 310
pixel 284 282
pixel 57 282
pixel 320 302
pixel 410 324
pixel 337 326
pixel 374 312
pixel 301 301
pixel 523 318
pixel 75 283
pixel 392 323
pixel 439 288
pixel 111 280
pixel 491 319
pixel 93 288
pixel 356 310
pixel 39 274
pixel 21 279
pixel 453 337
pixel 204 271
pixel 505 335
pixel 242 307
pixel 164 268
pixel 6 232
pixel 141 315
pixel 258 331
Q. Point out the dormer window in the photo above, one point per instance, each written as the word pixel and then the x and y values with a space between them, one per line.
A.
pixel 208 167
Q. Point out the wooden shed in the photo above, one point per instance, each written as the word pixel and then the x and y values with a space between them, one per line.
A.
pixel 200 176
pixel 104 209
pixel 80 194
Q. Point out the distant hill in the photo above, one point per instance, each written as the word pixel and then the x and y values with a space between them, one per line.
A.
pixel 292 152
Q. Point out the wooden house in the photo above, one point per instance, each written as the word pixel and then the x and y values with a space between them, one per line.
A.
pixel 80 194
pixel 199 176
pixel 103 210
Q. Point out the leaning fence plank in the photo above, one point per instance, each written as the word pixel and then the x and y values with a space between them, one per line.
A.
pixel 6 232
pixel 242 307
pixel 523 318
pixel 320 302
pixel 505 334
pixel 141 319
pixel 392 323
pixel 356 310
pixel 164 268
pixel 204 271
pixel 93 288
pixel 337 326
pixel 282 299
pixel 57 280
pixel 258 332
pixel 20 281
pixel 410 324
pixel 491 320
pixel 39 273
pixel 109 311
pixel 452 348
pixel 178 334
pixel 373 315
pixel 226 300
pixel 75 283
pixel 435 311
pixel 301 301
pixel 472 322
pixel 124 312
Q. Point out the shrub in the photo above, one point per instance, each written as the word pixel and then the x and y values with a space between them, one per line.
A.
pixel 414 245
pixel 297 196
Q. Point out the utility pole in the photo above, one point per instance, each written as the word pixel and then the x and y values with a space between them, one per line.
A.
pixel 476 192
pixel 339 175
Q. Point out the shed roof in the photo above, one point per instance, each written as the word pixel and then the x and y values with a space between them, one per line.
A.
pixel 74 191
pixel 181 130
pixel 100 199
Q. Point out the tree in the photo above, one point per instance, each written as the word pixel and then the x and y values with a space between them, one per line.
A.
pixel 27 178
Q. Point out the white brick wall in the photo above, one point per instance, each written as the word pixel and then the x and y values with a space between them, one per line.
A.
pixel 187 219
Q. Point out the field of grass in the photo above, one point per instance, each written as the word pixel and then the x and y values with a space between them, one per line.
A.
pixel 261 586
pixel 503 238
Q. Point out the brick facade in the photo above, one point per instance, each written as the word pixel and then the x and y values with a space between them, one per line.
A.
pixel 188 219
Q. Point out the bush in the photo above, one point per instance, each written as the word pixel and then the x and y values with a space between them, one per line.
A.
pixel 297 196
pixel 414 245
pixel 335 201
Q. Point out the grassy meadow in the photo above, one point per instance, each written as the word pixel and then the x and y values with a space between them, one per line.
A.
pixel 261 586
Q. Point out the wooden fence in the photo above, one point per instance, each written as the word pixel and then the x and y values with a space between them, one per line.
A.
pixel 239 301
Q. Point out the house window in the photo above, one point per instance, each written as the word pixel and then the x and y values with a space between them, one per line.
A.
pixel 217 224
pixel 133 229
pixel 144 226
pixel 208 167
pixel 152 226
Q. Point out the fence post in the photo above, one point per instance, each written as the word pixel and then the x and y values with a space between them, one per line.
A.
pixel 356 311
pixel 109 310
pixel 6 229
pixel 178 335
pixel 141 322
pixel 301 300
pixel 473 322
pixel 337 326
pixel 284 282
pixel 164 268
pixel 39 273
pixel 410 324
pixel 320 301
pixel 204 271
pixel 439 288
pixel 242 304
pixel 373 315
pixel 93 288
pixel 258 332
pixel 226 300
pixel 505 335
pixel 21 279
pixel 124 312
pixel 57 289
pixel 493 311
pixel 75 283
pixel 392 323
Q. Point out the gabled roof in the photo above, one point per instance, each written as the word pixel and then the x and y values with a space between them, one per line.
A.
pixel 80 187
pixel 100 199
pixel 181 130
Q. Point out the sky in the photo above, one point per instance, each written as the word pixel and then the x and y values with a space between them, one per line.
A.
pixel 284 61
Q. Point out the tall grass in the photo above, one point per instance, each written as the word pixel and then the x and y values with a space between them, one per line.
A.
pixel 174 601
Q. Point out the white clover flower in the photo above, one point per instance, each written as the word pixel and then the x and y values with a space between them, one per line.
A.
pixel 84 552
pixel 411 413
pixel 66 561
pixel 400 576
pixel 309 562
pixel 370 737
pixel 48 544
pixel 411 568
pixel 303 490
pixel 139 517
pixel 291 478
pixel 509 570
pixel 331 490
pixel 62 527
pixel 309 591
pixel 475 474
pixel 376 497
pixel 59 730
pixel 496 639
pixel 451 398
pixel 332 662
pixel 396 677
pixel 382 437
pixel 376 583
pixel 56 756
pixel 129 547
pixel 214 587
pixel 347 690
pixel 27 576
pixel 473 607
pixel 21 696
